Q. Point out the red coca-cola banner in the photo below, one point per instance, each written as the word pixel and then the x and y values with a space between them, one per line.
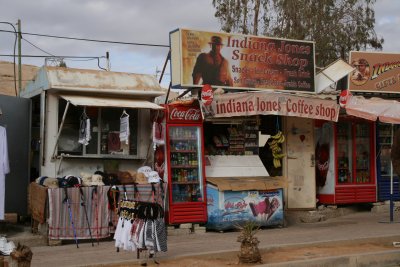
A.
pixel 207 94
pixel 184 114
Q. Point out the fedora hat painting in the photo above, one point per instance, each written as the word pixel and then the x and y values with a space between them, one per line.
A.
pixel 216 40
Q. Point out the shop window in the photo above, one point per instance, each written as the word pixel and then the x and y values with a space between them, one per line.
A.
pixel 236 138
pixel 104 131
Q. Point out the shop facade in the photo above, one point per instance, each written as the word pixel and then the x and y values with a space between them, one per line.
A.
pixel 62 97
pixel 374 97
pixel 268 91
pixel 86 122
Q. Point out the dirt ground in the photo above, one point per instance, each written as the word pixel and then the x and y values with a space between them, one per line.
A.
pixel 273 255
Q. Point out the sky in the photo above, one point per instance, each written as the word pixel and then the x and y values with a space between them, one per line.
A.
pixel 132 21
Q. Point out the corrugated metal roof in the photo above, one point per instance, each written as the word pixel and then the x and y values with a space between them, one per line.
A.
pixel 75 80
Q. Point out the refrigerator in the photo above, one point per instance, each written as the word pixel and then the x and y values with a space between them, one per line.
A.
pixel 185 161
pixel 355 181
pixel 388 180
pixel 351 178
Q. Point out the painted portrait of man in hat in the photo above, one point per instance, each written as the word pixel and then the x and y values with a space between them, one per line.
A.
pixel 362 72
pixel 212 68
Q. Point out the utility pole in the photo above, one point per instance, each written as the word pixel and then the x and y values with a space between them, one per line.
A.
pixel 108 61
pixel 19 58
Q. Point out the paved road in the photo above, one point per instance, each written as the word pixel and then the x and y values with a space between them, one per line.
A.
pixel 353 226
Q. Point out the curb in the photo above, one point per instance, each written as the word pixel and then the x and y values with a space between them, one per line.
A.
pixel 386 258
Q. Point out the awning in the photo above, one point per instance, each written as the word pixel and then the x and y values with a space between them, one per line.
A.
pixel 109 102
pixel 387 111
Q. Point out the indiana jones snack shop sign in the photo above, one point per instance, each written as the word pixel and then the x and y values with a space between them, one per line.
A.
pixel 240 61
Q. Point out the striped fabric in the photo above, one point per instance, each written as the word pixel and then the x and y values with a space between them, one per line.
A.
pixel 99 214
pixel 60 226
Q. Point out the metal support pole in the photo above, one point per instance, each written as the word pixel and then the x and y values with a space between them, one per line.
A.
pixel 53 155
pixel 19 59
pixel 391 182
pixel 165 64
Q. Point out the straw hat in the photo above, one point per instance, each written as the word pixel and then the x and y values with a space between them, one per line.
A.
pixel 125 177
pixel 141 178
pixel 86 179
pixel 47 181
pixel 51 182
pixel 97 179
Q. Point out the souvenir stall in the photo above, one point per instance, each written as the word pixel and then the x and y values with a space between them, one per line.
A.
pixel 91 125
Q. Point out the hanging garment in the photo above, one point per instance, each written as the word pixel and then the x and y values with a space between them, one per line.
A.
pixel 84 131
pixel 158 133
pixel 124 129
pixel 4 168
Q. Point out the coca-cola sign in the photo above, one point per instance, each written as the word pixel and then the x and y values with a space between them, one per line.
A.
pixel 178 113
pixel 344 97
pixel 207 94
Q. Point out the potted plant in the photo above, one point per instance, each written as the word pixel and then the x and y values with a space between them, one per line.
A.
pixel 249 252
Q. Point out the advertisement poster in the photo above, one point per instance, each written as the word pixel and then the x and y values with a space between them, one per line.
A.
pixel 241 61
pixel 375 72
pixel 234 208
pixel 325 158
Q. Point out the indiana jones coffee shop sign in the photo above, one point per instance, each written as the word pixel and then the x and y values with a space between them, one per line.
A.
pixel 241 61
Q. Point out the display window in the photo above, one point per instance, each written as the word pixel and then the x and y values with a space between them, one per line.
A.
pixel 95 131
pixel 235 137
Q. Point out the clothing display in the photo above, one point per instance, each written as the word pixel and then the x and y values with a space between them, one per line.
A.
pixel 141 226
pixel 4 168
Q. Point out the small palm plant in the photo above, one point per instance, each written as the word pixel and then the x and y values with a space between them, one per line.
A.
pixel 249 252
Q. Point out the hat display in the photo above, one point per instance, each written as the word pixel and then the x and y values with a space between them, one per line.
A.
pixel 125 177
pixel 97 179
pixel 86 179
pixel 141 178
pixel 91 179
pixel 62 182
pixel 153 177
pixel 216 40
pixel 73 181
pixel 145 170
pixel 51 182
pixel 47 181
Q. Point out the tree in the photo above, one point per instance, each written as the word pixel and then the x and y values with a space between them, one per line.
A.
pixel 336 26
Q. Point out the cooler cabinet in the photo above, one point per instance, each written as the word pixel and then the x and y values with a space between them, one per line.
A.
pixel 351 166
pixel 186 180
pixel 355 162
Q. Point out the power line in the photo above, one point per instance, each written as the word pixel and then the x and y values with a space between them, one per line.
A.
pixel 88 40
pixel 37 47
pixel 41 56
